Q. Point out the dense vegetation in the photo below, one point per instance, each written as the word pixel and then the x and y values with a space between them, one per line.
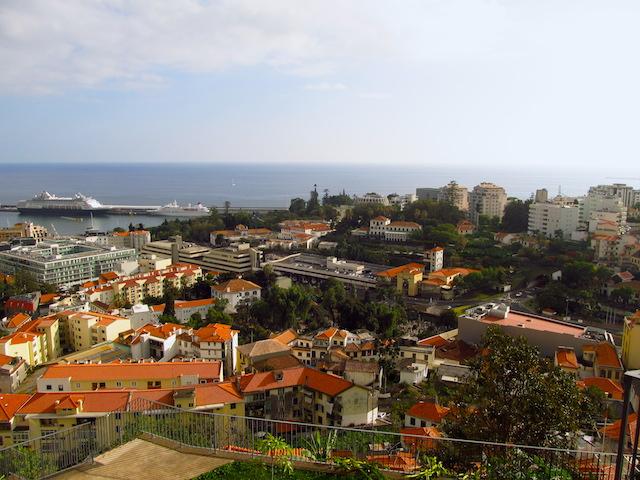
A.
pixel 20 283
pixel 517 396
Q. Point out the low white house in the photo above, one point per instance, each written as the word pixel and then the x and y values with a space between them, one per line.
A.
pixel 236 291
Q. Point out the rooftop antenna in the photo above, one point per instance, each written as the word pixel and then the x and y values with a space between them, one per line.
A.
pixel 559 190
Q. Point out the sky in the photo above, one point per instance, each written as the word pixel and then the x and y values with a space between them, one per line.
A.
pixel 530 84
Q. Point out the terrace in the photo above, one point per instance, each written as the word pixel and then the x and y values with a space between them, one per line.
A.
pixel 199 435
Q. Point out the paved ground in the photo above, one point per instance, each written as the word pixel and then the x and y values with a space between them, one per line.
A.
pixel 140 459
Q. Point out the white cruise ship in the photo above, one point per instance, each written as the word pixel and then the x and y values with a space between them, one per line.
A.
pixel 175 210
pixel 46 203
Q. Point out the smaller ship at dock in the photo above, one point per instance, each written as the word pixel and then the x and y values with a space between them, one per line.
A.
pixel 174 210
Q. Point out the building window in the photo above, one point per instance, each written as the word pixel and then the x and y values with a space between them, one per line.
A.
pixel 60 388
pixel 49 387
pixel 232 406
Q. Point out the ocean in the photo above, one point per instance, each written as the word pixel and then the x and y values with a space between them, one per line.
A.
pixel 249 185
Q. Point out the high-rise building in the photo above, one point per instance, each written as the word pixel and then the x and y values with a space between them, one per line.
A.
pixel 455 194
pixel 427 193
pixel 542 195
pixel 553 219
pixel 487 199
pixel 618 190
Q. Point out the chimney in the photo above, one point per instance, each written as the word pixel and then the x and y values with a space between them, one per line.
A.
pixel 278 375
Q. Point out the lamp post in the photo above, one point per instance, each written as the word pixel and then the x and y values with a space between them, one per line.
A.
pixel 631 384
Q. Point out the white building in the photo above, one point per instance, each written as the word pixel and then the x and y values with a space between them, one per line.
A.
pixel 400 231
pixel 401 201
pixel 236 291
pixel 372 198
pixel 434 257
pixel 594 202
pixel 378 225
pixel 617 190
pixel 487 199
pixel 65 262
pixel 552 218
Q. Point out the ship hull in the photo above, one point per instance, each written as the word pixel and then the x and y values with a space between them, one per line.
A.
pixel 178 214
pixel 63 212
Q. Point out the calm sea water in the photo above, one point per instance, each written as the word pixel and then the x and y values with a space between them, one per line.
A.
pixel 253 185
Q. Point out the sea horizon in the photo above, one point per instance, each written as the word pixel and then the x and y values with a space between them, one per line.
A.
pixel 265 184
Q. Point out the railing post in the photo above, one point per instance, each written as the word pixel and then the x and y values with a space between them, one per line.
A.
pixel 628 385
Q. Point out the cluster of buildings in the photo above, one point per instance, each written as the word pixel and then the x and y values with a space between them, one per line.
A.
pixel 384 228
pixel 21 232
pixel 293 234
pixel 485 198
pixel 599 217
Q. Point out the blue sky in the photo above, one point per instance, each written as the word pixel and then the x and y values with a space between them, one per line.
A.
pixel 496 82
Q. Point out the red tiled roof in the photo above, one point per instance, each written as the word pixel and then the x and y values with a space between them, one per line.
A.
pixel 327 334
pixel 215 332
pixel 566 358
pixel 299 376
pixel 606 354
pixel 436 341
pixel 611 387
pixel 10 403
pixel 18 319
pixel 613 430
pixel 428 411
pixel 285 337
pixel 134 371
pixel 426 443
pixel 401 223
pixel 394 272
pixel 236 285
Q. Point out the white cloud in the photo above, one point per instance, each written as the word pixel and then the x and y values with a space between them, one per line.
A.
pixel 50 46
pixel 325 87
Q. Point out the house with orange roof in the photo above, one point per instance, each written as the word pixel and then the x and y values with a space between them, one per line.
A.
pixel 45 413
pixel 133 289
pixel 425 414
pixel 239 233
pixel 315 228
pixel 185 309
pixel 465 227
pixel 216 341
pixel 251 353
pixel 236 291
pixel 119 375
pixel 302 347
pixel 81 330
pixel 566 359
pixel 154 341
pixel 378 225
pixel 15 321
pixel 308 395
pixel 612 389
pixel 10 403
pixel 604 359
pixel 13 371
pixel 31 347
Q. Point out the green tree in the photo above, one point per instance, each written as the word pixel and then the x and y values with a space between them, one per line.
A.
pixel 516 216
pixel 519 397
pixel 297 206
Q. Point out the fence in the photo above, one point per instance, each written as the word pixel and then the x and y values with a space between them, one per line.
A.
pixel 255 437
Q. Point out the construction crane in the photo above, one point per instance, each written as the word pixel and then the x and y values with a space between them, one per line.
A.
pixel 55 232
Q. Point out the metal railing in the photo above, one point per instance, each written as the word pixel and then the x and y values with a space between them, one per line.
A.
pixel 247 437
